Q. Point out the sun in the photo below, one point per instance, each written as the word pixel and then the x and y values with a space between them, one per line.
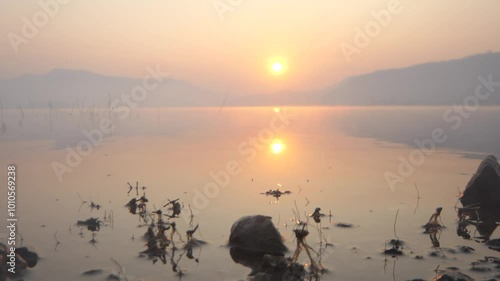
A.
pixel 277 67
pixel 277 146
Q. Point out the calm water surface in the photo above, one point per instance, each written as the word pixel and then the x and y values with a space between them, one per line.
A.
pixel 333 158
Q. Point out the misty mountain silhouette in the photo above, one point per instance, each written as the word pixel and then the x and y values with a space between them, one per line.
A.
pixel 435 83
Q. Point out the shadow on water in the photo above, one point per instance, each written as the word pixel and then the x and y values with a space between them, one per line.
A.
pixel 433 228
pixel 276 193
pixel 475 138
pixel 164 241
pixel 479 224
pixel 247 258
pixel 266 264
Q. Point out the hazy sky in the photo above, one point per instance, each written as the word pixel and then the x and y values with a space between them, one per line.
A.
pixel 191 41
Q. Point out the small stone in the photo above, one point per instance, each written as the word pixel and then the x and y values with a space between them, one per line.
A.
pixel 343 225
pixel 466 249
pixel 92 272
pixel 28 255
pixel 258 234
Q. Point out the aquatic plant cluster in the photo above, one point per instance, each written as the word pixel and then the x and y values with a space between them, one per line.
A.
pixel 164 241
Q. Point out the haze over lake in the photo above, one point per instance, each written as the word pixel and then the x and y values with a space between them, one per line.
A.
pixel 249 140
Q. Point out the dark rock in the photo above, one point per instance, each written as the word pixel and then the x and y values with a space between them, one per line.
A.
pixel 275 262
pixel 344 225
pixel 256 243
pixel 453 275
pixel 257 234
pixel 25 258
pixel 494 244
pixel 92 272
pixel 29 256
pixel 484 187
pixel 485 220
pixel 113 277
pixel 3 262
pixel 247 258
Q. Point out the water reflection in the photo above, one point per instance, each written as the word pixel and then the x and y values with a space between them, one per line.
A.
pixel 272 266
pixel 435 235
pixel 483 220
pixel 434 226
pixel 247 258
pixel 269 267
pixel 162 236
pixel 330 160
pixel 474 139
pixel 276 193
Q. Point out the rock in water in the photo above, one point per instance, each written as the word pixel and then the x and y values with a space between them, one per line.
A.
pixel 3 262
pixel 257 234
pixel 28 255
pixel 484 186
pixel 453 275
pixel 25 258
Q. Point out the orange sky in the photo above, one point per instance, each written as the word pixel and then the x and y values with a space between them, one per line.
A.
pixel 230 51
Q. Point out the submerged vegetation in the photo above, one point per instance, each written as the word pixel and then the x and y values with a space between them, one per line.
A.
pixel 396 248
pixel 163 241
pixel 276 193
pixel 433 227
pixel 314 268
pixel 168 241
pixel 256 243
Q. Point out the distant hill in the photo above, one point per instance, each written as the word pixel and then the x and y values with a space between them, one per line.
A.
pixel 436 83
pixel 70 88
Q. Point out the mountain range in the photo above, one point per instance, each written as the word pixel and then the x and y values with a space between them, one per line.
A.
pixel 434 83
